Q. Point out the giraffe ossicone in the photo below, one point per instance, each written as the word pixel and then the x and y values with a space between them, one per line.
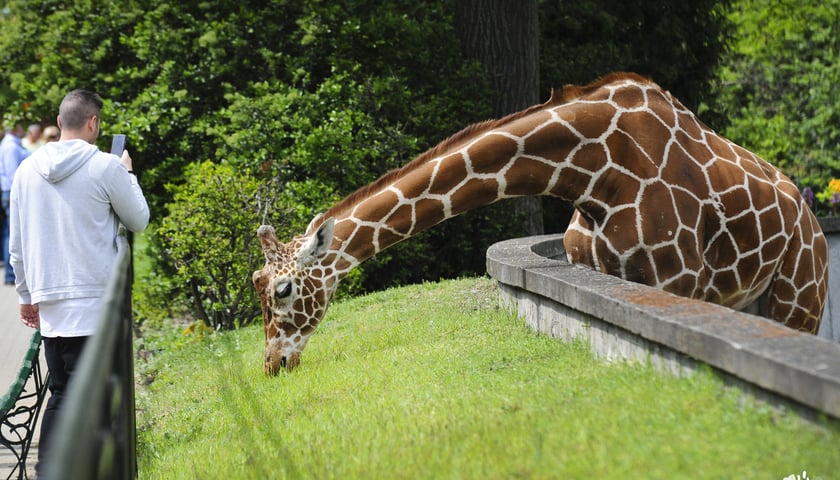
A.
pixel 659 198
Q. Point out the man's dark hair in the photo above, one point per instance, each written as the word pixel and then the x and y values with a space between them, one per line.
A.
pixel 77 108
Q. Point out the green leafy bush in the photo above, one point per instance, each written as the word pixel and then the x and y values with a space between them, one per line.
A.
pixel 775 92
pixel 210 233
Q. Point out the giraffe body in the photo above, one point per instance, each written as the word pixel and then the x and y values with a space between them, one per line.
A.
pixel 660 199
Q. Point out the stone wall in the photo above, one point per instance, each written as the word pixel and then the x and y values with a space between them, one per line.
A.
pixel 629 321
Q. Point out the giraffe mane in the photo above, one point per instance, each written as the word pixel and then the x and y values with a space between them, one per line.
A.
pixel 572 92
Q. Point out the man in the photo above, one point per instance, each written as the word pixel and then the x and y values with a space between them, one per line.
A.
pixel 11 154
pixel 67 202
pixel 51 134
pixel 33 138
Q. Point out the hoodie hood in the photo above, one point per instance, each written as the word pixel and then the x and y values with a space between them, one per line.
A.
pixel 58 160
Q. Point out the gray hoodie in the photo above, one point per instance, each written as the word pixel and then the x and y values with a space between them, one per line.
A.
pixel 67 201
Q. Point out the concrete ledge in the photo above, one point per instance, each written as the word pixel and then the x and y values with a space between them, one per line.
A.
pixel 625 320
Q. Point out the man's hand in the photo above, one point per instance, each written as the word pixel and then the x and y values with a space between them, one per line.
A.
pixel 29 315
pixel 126 160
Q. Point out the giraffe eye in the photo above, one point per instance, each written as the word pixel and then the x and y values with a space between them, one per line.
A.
pixel 283 290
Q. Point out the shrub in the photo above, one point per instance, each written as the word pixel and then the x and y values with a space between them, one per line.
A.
pixel 210 238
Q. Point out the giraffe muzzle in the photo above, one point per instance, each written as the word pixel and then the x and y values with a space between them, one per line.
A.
pixel 276 361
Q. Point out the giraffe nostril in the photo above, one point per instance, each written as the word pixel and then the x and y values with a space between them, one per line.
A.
pixel 283 362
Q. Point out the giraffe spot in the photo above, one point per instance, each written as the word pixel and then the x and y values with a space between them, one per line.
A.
pixel 639 268
pixel 571 184
pixel 646 134
pixel 684 284
pixel 364 239
pixel 378 207
pixel 771 250
pixel 488 155
pixel 630 97
pixel 289 329
pixel 725 281
pixel 770 221
pixel 616 188
pixel 590 157
pixel 689 207
pixel 589 120
pixel 721 253
pixel 683 171
pixel 745 231
pixel 386 237
pixel 452 171
pixel 527 177
pixel 271 331
pixel 763 195
pixel 689 250
pixel 299 305
pixel 620 230
pixel 805 264
pixel 658 213
pixel 748 268
pixel 736 200
pixel 782 310
pixel 668 263
pixel 688 123
pixel 592 210
pixel 721 147
pixel 554 142
pixel 399 220
pixel 429 212
pixel 475 193
pixel 607 261
pixel 698 151
pixel 784 293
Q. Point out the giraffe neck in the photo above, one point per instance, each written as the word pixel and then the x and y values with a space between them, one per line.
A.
pixel 483 164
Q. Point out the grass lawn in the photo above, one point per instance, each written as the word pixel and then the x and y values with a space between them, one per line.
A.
pixel 434 381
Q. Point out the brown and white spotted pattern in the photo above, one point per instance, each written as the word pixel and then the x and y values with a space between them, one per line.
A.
pixel 660 198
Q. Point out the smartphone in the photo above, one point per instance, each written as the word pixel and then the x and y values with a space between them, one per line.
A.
pixel 118 144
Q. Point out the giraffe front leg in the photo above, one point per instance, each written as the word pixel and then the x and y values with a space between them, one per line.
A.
pixel 797 294
pixel 578 241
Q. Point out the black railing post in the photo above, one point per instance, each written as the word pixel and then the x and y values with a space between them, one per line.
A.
pixel 96 431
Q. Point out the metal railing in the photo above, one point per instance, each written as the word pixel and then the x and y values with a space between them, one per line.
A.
pixel 95 436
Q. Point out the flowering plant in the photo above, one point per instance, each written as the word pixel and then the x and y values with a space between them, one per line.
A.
pixel 831 194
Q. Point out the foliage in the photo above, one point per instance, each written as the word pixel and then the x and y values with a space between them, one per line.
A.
pixel 210 237
pixel 315 98
pixel 677 44
pixel 434 381
pixel 775 92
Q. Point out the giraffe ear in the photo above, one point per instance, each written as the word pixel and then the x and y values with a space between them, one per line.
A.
pixel 317 244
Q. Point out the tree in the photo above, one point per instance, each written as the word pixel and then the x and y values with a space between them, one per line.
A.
pixel 319 98
pixel 503 36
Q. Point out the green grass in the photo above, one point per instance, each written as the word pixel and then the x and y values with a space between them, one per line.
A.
pixel 433 381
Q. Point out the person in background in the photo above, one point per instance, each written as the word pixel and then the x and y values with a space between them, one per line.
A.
pixel 32 140
pixel 67 202
pixel 51 134
pixel 12 154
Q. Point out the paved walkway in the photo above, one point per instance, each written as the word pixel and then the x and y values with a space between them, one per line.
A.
pixel 14 341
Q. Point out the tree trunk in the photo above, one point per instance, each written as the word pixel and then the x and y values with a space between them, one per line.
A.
pixel 503 36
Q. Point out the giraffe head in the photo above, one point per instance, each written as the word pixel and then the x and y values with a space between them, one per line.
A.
pixel 295 286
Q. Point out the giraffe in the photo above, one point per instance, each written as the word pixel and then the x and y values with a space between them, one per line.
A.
pixel 660 199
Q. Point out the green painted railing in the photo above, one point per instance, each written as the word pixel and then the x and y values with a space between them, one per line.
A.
pixel 20 406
